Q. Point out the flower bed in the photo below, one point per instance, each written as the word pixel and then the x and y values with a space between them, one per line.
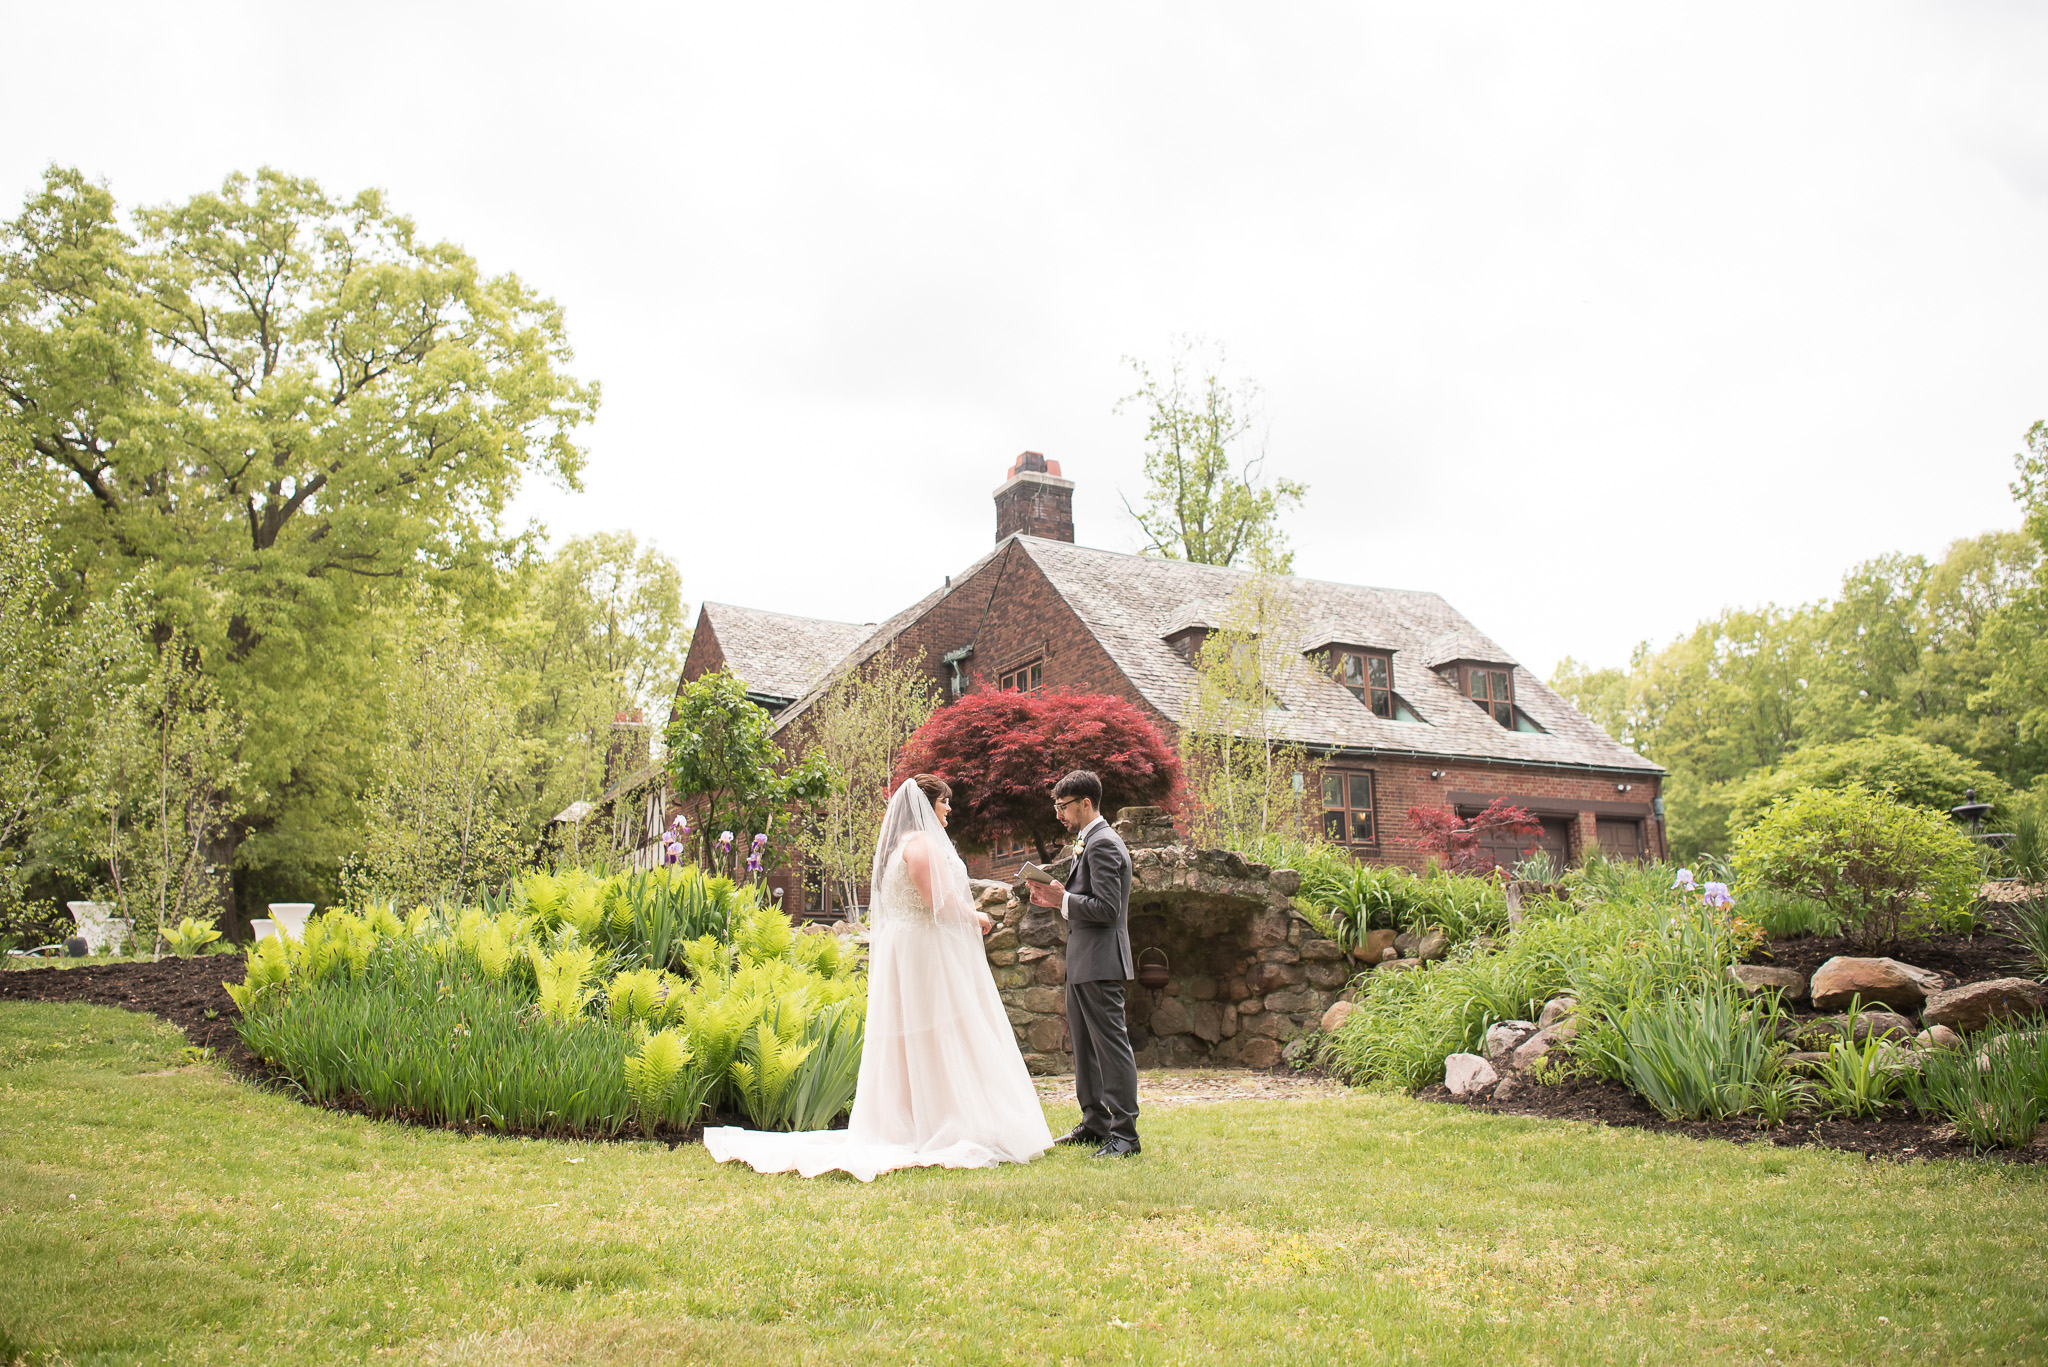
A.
pixel 562 1011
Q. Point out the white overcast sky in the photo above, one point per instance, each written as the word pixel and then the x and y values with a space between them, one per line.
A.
pixel 1594 319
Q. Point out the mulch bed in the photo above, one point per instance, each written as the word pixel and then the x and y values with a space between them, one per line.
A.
pixel 185 992
pixel 1966 958
pixel 1895 1133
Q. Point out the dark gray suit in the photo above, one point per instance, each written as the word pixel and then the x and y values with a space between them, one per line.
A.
pixel 1098 964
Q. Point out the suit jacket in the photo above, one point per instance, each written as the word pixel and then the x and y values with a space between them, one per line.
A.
pixel 1098 911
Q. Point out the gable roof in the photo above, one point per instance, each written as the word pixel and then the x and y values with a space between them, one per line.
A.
pixel 1128 601
pixel 776 655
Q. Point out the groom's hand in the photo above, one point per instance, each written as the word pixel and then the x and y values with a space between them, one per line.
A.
pixel 1046 894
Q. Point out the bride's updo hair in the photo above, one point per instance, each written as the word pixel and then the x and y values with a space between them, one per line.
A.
pixel 933 787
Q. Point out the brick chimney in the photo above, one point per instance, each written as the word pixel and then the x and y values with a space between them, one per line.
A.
pixel 1033 500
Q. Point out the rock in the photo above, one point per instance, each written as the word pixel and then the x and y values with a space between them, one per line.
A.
pixel 1804 1061
pixel 1229 1019
pixel 1286 882
pixel 1321 950
pixel 1043 927
pixel 1263 977
pixel 1265 1024
pixel 1555 1010
pixel 1374 947
pixel 1883 1024
pixel 1334 1018
pixel 1171 1018
pixel 1429 944
pixel 1297 1049
pixel 1511 1086
pixel 1052 970
pixel 1542 1042
pixel 1327 976
pixel 1018 1015
pixel 1295 999
pixel 1259 1053
pixel 1031 954
pixel 1267 930
pixel 1280 954
pixel 1399 966
pixel 1975 1005
pixel 992 897
pixel 1048 1034
pixel 1250 1006
pixel 1504 1038
pixel 1222 863
pixel 1758 980
pixel 1939 1037
pixel 1005 938
pixel 1209 1022
pixel 1141 816
pixel 1045 1001
pixel 1002 958
pixel 1879 982
pixel 1468 1074
pixel 1202 989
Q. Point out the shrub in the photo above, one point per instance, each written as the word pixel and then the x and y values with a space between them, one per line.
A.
pixel 516 1019
pixel 1635 945
pixel 1995 1093
pixel 1352 899
pixel 1880 865
pixel 1700 1055
pixel 1910 770
pixel 1461 843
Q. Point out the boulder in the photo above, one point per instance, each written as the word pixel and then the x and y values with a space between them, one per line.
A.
pixel 1171 1018
pixel 1883 1024
pixel 1286 882
pixel 1399 966
pixel 1374 947
pixel 1555 1010
pixel 1296 999
pixel 1938 1037
pixel 1259 1053
pixel 1759 980
pixel 992 897
pixel 1804 1061
pixel 1263 977
pixel 1044 1001
pixel 1334 1018
pixel 1879 982
pixel 1975 1005
pixel 1434 945
pixel 1209 1022
pixel 1327 976
pixel 1321 949
pixel 1468 1074
pixel 1542 1042
pixel 1503 1039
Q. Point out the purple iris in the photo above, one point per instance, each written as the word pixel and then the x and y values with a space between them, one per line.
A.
pixel 1717 895
pixel 1684 881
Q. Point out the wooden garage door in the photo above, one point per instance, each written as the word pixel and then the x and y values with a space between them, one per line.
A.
pixel 1621 839
pixel 1555 839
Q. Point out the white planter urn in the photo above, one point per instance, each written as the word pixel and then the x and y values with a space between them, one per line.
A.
pixel 264 927
pixel 101 928
pixel 290 917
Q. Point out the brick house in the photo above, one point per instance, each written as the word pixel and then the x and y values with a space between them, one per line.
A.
pixel 1418 706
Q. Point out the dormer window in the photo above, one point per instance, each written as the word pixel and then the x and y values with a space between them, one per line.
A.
pixel 1187 642
pixel 1491 688
pixel 1370 678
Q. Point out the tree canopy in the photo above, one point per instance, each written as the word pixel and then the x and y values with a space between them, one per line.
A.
pixel 1003 751
pixel 1203 498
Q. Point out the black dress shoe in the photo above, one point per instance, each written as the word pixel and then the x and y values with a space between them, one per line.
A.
pixel 1114 1147
pixel 1080 1134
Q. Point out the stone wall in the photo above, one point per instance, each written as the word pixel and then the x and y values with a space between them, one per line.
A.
pixel 1246 972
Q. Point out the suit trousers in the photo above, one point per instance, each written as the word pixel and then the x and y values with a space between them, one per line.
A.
pixel 1105 1071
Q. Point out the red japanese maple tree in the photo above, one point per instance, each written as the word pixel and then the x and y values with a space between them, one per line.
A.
pixel 1003 751
pixel 1461 844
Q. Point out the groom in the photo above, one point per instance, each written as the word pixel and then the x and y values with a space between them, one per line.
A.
pixel 1095 902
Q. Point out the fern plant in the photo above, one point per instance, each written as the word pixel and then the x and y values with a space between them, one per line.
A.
pixel 560 981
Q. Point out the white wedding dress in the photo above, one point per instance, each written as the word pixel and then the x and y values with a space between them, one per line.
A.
pixel 941 1080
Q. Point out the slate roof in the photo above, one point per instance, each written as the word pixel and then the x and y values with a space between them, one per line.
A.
pixel 1130 603
pixel 776 655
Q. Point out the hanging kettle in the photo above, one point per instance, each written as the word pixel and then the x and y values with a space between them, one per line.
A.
pixel 1152 974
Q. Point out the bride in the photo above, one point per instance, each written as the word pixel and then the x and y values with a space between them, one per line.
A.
pixel 941 1081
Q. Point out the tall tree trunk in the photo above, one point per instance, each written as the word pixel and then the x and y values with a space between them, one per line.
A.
pixel 222 843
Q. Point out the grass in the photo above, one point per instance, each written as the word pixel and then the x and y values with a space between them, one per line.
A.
pixel 155 1209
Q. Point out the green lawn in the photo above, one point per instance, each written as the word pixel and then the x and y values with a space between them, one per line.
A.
pixel 153 1209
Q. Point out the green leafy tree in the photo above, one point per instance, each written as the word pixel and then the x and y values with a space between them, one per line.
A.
pixel 1245 781
pixel 1884 866
pixel 159 777
pixel 282 402
pixel 2014 699
pixel 437 824
pixel 723 759
pixel 858 727
pixel 1909 769
pixel 1203 498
